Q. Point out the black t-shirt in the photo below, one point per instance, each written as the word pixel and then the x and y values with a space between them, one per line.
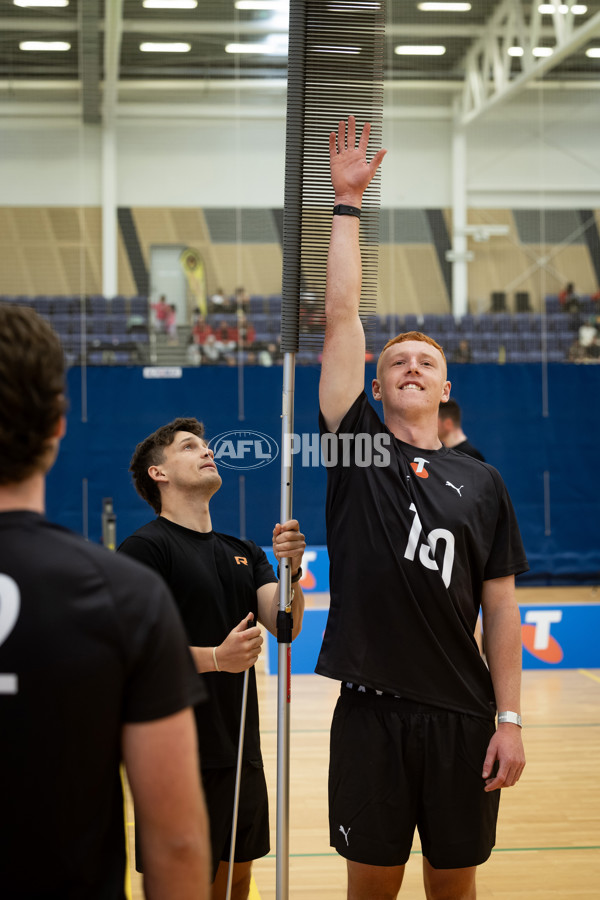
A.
pixel 468 448
pixel 88 642
pixel 410 544
pixel 214 578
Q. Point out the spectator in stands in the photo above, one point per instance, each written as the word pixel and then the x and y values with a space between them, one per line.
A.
pixel 219 302
pixel 450 430
pixel 462 354
pixel 161 312
pixel 171 324
pixel 246 332
pixel 587 332
pixel 193 352
pixel 266 355
pixel 201 331
pixel 593 350
pixel 569 298
pixel 226 338
pixel 211 352
pixel 576 353
pixel 242 299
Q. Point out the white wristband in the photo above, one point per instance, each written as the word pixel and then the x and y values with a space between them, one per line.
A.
pixel 217 669
pixel 508 716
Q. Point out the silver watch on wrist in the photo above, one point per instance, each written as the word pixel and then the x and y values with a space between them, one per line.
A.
pixel 508 716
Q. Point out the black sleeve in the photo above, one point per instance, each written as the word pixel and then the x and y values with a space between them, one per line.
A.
pixel 349 423
pixel 261 567
pixel 161 676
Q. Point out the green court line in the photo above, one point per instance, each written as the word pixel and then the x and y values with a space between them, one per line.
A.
pixel 419 852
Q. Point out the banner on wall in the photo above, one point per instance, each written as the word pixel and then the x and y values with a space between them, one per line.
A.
pixel 315 569
pixel 554 636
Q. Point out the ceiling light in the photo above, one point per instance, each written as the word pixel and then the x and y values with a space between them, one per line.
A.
pixel 443 7
pixel 593 53
pixel 515 51
pixel 264 49
pixel 173 47
pixel 548 9
pixel 542 51
pixel 44 45
pixel 420 50
pixel 170 4
pixel 26 3
pixel 273 45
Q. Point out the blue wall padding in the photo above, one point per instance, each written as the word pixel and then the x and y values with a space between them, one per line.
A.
pixel 502 415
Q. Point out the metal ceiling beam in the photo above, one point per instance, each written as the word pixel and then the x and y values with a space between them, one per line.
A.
pixel 89 60
pixel 113 27
pixel 489 80
pixel 170 26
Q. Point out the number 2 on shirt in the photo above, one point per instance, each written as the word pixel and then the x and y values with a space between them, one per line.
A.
pixel 10 604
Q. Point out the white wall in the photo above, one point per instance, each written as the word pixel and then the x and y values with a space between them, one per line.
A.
pixel 539 150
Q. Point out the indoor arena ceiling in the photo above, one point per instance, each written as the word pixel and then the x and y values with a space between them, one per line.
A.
pixel 102 69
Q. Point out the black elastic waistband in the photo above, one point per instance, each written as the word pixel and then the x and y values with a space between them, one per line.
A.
pixel 397 702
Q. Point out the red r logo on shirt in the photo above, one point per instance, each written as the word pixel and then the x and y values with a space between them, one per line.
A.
pixel 241 560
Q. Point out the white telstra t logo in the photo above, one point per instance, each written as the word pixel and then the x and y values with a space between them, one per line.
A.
pixel 542 619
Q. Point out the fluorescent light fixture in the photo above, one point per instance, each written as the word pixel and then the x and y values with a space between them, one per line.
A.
pixel 548 9
pixel 274 45
pixel 420 50
pixel 173 47
pixel 170 4
pixel 443 7
pixel 537 51
pixel 27 3
pixel 44 45
pixel 593 53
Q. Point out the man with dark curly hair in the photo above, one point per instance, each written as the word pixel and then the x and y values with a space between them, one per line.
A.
pixel 95 672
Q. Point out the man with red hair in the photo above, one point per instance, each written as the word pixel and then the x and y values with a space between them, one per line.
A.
pixel 418 541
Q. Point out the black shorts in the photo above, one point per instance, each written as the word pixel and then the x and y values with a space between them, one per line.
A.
pixel 252 838
pixel 396 765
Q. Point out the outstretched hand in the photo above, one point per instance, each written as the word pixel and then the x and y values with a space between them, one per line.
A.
pixel 350 172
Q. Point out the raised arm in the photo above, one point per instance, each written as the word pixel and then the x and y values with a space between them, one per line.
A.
pixel 343 364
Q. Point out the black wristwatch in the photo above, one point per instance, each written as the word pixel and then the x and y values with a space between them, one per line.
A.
pixel 295 578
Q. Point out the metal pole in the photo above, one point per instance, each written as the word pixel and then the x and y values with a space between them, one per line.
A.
pixel 238 779
pixel 284 639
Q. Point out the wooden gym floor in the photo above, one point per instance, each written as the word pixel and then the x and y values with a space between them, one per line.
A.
pixel 548 842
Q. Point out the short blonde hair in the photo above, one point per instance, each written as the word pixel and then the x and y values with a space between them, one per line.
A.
pixel 412 336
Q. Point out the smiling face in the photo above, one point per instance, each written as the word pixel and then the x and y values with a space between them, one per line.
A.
pixel 187 465
pixel 411 379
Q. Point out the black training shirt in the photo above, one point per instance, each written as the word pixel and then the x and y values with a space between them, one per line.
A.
pixel 213 578
pixel 89 641
pixel 410 544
